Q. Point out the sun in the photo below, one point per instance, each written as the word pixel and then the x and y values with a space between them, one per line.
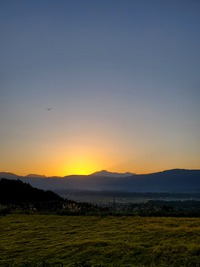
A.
pixel 81 166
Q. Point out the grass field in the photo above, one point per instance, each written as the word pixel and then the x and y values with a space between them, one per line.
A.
pixel 42 240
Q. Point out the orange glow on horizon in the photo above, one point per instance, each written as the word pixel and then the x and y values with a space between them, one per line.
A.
pixel 80 165
pixel 87 159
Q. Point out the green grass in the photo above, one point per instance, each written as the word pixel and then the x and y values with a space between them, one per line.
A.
pixel 32 240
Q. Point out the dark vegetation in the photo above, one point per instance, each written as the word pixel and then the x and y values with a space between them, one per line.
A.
pixel 16 190
pixel 19 197
pixel 159 208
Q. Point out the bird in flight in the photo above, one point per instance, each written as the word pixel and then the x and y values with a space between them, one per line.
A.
pixel 49 109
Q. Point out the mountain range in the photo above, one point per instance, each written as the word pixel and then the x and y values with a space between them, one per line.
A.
pixel 176 180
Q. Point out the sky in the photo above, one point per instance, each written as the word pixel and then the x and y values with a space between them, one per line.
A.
pixel 87 85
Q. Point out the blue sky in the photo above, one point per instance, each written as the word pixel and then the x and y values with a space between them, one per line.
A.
pixel 122 78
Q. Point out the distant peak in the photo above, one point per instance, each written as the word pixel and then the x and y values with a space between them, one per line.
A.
pixel 105 173
pixel 35 175
pixel 9 173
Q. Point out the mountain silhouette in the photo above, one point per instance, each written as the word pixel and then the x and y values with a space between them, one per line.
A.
pixel 105 173
pixel 16 190
pixel 176 180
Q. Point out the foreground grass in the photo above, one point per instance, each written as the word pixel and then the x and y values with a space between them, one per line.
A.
pixel 32 240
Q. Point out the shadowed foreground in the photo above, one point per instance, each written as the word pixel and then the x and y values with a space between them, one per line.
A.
pixel 41 240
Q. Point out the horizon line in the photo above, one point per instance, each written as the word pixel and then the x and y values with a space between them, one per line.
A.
pixel 109 172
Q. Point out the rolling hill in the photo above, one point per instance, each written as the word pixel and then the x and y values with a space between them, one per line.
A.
pixel 16 190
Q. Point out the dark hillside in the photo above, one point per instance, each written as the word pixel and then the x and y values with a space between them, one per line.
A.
pixel 16 190
pixel 18 196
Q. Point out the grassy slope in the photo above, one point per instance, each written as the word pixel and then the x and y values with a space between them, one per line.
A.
pixel 109 241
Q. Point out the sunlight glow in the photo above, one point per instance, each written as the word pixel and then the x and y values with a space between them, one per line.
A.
pixel 83 165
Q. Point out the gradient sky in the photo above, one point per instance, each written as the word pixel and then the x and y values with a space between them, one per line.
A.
pixel 122 78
